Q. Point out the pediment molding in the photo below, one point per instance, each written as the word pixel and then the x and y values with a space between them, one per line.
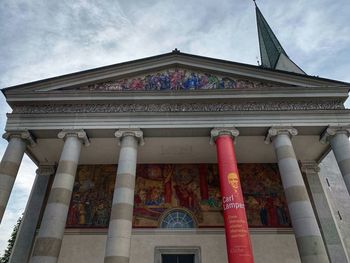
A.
pixel 127 70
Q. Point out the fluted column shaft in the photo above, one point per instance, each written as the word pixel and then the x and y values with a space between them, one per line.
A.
pixel 26 232
pixel 120 225
pixel 48 243
pixel 306 230
pixel 10 164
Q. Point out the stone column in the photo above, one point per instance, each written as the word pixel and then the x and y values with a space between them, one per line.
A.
pixel 120 225
pixel 48 243
pixel 306 230
pixel 339 140
pixel 331 237
pixel 10 164
pixel 25 235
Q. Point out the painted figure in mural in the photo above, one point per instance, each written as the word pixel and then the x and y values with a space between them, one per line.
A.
pixel 191 82
pixel 168 171
pixel 252 209
pixel 102 215
pixel 152 82
pixel 154 197
pixel 228 83
pixel 122 85
pixel 154 172
pixel 176 79
pixel 203 81
pixel 185 195
pixel 141 197
pixel 213 82
pixel 140 191
pixel 85 183
pixel 88 212
pixel 164 81
pixel 263 213
pixel 137 84
pixel 271 211
pixel 73 215
pixel 82 213
pixel 281 212
pixel 214 200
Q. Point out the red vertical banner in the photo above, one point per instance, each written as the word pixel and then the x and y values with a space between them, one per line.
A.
pixel 239 249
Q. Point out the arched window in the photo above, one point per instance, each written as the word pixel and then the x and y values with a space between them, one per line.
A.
pixel 177 218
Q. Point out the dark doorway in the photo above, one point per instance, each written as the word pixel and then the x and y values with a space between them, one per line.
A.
pixel 177 258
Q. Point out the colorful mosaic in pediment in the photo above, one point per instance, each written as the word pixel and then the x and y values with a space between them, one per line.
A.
pixel 176 79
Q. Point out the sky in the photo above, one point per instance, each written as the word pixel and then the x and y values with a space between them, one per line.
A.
pixel 41 39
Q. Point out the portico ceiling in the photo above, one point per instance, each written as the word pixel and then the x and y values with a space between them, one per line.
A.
pixel 249 149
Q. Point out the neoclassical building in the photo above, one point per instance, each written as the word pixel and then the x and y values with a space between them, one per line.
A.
pixel 182 158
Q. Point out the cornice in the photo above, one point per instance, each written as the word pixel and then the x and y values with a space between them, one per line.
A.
pixel 162 120
pixel 278 91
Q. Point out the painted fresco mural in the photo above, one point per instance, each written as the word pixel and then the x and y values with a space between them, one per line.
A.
pixel 160 187
pixel 175 79
pixel 92 196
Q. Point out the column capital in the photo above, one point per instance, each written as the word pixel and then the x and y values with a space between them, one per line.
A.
pixel 137 133
pixel 309 167
pixel 333 130
pixel 278 130
pixel 216 132
pixel 80 134
pixel 46 170
pixel 22 134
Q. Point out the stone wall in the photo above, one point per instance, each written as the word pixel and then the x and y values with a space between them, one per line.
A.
pixel 337 195
pixel 273 246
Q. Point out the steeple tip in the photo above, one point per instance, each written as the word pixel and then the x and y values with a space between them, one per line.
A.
pixel 272 53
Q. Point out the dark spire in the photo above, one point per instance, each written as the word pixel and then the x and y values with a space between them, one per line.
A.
pixel 271 51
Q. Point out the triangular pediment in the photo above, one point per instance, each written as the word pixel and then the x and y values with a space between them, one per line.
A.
pixel 176 78
pixel 171 71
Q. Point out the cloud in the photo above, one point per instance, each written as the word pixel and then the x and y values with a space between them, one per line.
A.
pixel 17 201
pixel 88 34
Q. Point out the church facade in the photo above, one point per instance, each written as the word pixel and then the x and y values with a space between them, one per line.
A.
pixel 131 161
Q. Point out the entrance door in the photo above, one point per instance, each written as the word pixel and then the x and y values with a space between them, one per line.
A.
pixel 177 258
pixel 177 254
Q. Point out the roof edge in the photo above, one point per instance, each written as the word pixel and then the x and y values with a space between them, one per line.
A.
pixel 169 54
